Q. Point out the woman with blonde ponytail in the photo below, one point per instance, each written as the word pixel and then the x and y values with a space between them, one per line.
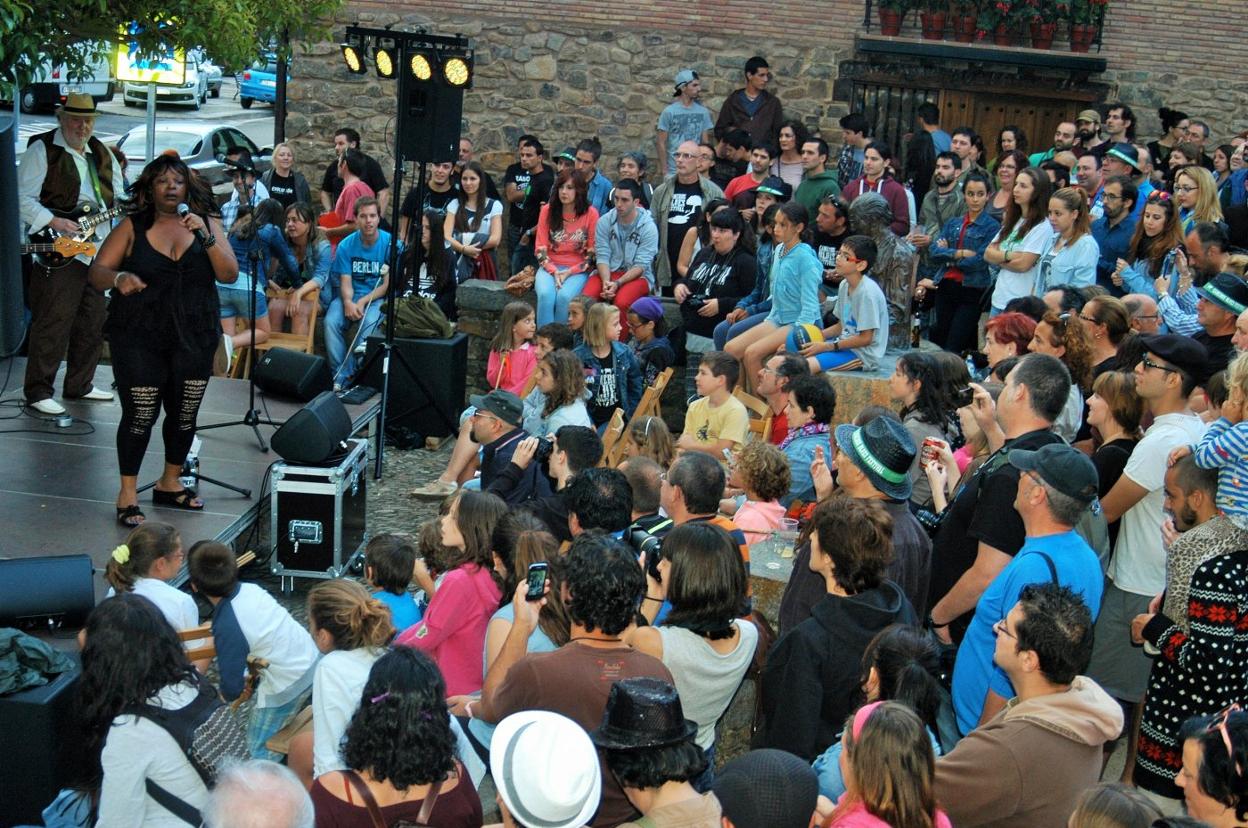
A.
pixel 352 630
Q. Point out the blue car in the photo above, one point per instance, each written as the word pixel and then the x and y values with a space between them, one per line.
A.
pixel 259 82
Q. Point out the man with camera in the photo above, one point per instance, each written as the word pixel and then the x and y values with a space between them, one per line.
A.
pixel 573 449
pixel 496 427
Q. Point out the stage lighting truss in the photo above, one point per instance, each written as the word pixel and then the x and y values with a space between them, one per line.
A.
pixel 426 58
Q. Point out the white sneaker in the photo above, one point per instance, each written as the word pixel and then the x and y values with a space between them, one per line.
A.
pixel 98 394
pixel 48 406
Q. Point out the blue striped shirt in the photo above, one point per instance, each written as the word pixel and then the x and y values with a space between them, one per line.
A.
pixel 1225 448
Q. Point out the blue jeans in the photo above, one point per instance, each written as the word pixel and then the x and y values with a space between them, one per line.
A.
pixel 726 330
pixel 336 327
pixel 522 255
pixel 552 303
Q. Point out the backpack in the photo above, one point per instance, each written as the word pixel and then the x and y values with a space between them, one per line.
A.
pixel 418 317
pixel 210 736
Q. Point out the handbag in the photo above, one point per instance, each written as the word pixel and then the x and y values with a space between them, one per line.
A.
pixel 484 268
pixel 374 812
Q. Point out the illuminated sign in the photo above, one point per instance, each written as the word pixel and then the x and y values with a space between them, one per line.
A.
pixel 166 67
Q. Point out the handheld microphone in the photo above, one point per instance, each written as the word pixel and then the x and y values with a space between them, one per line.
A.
pixel 183 212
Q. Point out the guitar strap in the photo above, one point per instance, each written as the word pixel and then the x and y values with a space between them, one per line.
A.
pixel 95 180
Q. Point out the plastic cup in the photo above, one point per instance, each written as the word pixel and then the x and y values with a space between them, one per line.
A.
pixel 786 537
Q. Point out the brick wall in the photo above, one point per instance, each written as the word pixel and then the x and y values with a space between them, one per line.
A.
pixel 577 68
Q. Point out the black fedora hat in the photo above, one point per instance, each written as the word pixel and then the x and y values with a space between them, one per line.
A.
pixel 642 713
pixel 883 450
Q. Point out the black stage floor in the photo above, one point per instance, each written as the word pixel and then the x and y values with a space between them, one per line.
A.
pixel 58 486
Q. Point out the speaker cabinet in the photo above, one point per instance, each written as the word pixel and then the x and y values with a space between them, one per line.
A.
pixel 431 116
pixel 40 748
pixel 286 373
pixel 315 433
pixel 426 393
pixel 37 590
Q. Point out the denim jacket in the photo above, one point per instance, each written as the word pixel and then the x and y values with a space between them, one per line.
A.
pixel 759 299
pixel 628 372
pixel 979 235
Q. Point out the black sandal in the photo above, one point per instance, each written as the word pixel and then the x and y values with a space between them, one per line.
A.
pixel 126 516
pixel 177 500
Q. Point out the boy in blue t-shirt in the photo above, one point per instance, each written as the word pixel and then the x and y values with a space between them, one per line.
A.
pixel 860 336
pixel 362 279
pixel 388 562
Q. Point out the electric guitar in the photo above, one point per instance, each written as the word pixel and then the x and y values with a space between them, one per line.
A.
pixel 66 247
pixel 88 216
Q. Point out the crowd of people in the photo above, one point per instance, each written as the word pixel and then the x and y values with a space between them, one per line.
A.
pixel 1036 554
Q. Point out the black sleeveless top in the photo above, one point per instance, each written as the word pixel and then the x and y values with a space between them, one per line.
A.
pixel 177 310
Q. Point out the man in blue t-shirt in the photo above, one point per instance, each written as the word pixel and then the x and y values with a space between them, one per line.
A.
pixel 362 278
pixel 1056 485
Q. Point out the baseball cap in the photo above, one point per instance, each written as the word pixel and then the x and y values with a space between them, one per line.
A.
pixel 1063 467
pixel 1227 291
pixel 648 308
pixel 1089 115
pixel 1182 352
pixel 568 154
pixel 546 769
pixel 682 77
pixel 1125 153
pixel 504 405
pixel 777 186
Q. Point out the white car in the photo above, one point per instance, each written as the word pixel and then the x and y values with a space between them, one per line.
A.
pixel 194 92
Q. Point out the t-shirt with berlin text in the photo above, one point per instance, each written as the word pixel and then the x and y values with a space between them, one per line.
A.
pixel 686 202
pixel 683 123
pixel 362 263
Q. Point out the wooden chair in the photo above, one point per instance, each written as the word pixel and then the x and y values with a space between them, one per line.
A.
pixel 612 436
pixel 659 386
pixel 761 415
pixel 277 339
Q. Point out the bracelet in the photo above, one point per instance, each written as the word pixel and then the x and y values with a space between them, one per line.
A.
pixel 117 278
pixel 836 346
pixel 655 600
pixel 210 241
pixel 468 709
pixel 1006 257
pixel 931 622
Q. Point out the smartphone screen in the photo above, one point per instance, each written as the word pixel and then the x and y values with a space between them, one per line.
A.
pixel 536 581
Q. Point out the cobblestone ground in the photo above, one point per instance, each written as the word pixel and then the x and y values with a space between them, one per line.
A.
pixel 390 509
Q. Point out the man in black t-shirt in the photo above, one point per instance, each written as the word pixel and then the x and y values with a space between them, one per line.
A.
pixel 527 187
pixel 981 532
pixel 332 184
pixel 831 228
pixel 440 190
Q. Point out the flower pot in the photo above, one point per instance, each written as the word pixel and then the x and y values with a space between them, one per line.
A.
pixel 1003 35
pixel 933 25
pixel 1042 35
pixel 1081 36
pixel 964 29
pixel 890 22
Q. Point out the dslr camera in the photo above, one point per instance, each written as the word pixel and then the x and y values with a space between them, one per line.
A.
pixel 695 301
pixel 649 545
pixel 545 446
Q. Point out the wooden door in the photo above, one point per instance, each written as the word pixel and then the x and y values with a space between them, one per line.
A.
pixel 988 111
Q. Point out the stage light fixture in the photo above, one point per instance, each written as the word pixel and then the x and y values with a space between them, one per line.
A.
pixel 456 71
pixel 352 55
pixel 422 68
pixel 386 58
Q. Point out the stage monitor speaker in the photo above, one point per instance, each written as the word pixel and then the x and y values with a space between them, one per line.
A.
pixel 288 373
pixel 442 368
pixel 40 747
pixel 37 590
pixel 431 116
pixel 315 434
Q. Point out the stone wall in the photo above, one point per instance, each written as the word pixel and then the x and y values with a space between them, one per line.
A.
pixel 480 305
pixel 585 68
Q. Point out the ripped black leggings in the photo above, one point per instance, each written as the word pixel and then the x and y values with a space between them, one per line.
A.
pixel 147 380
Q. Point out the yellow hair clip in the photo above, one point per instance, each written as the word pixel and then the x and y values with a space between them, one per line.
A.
pixel 121 554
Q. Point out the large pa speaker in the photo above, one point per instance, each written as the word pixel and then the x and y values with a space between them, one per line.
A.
pixel 294 374
pixel 315 434
pixel 38 590
pixel 40 747
pixel 429 398
pixel 431 116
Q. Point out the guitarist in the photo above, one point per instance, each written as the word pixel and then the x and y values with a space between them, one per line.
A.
pixel 60 170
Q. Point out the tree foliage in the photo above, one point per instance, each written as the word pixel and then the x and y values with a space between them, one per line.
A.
pixel 74 31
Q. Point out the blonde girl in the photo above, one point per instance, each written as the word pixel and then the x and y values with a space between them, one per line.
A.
pixel 612 372
pixel 1197 194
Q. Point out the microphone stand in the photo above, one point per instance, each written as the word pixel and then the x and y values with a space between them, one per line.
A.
pixel 252 418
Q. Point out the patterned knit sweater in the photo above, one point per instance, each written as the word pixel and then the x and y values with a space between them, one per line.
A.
pixel 1199 671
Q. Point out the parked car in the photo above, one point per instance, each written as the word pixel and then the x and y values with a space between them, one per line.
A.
pixel 194 91
pixel 202 146
pixel 212 73
pixel 259 82
pixel 51 84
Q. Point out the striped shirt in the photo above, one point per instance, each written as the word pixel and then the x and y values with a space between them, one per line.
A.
pixel 1225 448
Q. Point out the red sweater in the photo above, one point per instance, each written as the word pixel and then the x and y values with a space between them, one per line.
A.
pixel 570 247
